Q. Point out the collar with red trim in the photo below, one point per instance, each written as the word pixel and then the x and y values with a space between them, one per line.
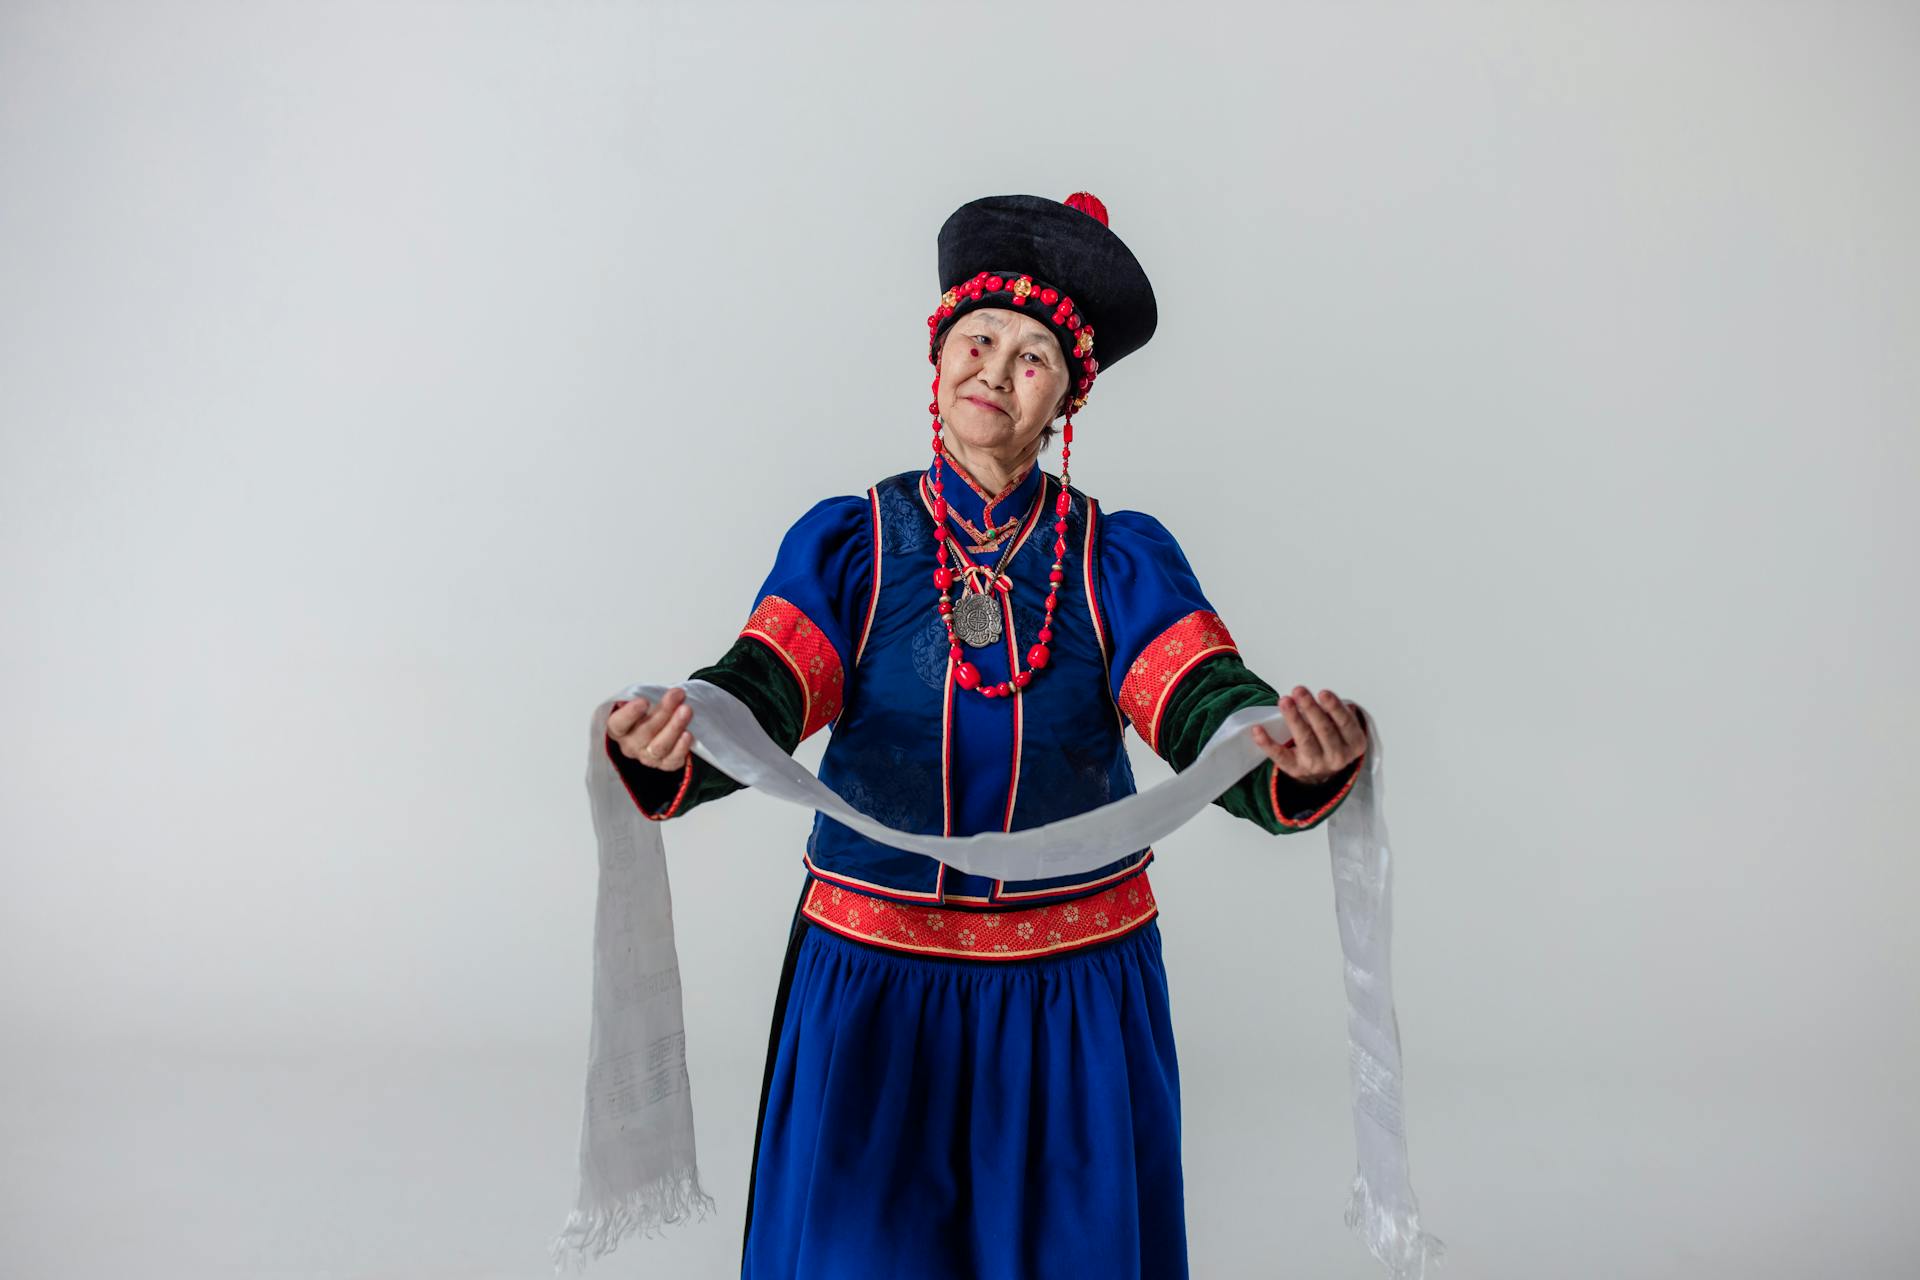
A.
pixel 968 501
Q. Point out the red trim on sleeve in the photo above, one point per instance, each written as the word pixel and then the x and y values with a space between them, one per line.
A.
pixel 673 805
pixel 782 627
pixel 1163 662
pixel 1273 795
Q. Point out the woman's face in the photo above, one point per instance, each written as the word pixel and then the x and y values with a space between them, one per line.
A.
pixel 1002 379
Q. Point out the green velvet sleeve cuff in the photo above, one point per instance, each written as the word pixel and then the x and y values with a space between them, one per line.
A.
pixel 751 672
pixel 1215 689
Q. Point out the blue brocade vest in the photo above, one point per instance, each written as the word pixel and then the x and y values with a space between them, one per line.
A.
pixel 918 752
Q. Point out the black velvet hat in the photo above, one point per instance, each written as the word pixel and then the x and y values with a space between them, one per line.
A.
pixel 1057 260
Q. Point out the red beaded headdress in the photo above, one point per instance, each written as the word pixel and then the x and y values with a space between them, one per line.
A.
pixel 1024 251
pixel 1032 253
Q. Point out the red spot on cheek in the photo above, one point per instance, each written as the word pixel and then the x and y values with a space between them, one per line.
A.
pixel 1029 373
pixel 973 351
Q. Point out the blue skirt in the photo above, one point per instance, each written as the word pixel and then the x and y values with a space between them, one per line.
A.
pixel 948 1119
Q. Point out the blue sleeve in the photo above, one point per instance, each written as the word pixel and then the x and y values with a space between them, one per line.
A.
pixel 813 607
pixel 1159 618
pixel 1177 673
pixel 787 663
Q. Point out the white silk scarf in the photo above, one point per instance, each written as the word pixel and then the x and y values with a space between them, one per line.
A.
pixel 637 1165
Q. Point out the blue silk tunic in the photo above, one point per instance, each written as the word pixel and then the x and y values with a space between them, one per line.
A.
pixel 968 1076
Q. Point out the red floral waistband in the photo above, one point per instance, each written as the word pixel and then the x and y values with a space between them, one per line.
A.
pixel 1020 933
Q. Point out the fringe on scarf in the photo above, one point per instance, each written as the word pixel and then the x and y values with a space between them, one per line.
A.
pixel 1392 1234
pixel 671 1198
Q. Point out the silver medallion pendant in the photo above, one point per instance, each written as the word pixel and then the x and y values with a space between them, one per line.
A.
pixel 976 620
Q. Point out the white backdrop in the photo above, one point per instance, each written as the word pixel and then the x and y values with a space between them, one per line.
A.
pixel 383 385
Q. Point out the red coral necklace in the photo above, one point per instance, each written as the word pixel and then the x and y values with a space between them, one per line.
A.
pixel 978 613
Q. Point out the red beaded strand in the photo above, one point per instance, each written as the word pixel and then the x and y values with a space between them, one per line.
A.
pixel 966 675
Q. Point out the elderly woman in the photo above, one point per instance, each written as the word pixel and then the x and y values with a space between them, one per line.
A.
pixel 969 1076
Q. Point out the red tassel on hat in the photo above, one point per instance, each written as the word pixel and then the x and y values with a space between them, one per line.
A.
pixel 1089 204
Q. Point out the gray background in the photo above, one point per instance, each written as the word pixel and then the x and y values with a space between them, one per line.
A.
pixel 384 385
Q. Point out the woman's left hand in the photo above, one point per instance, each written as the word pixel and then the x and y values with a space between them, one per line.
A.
pixel 1328 735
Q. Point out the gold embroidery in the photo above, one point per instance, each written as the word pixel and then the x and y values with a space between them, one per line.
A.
pixel 798 640
pixel 1163 661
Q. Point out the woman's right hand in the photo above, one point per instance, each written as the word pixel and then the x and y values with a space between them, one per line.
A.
pixel 656 736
